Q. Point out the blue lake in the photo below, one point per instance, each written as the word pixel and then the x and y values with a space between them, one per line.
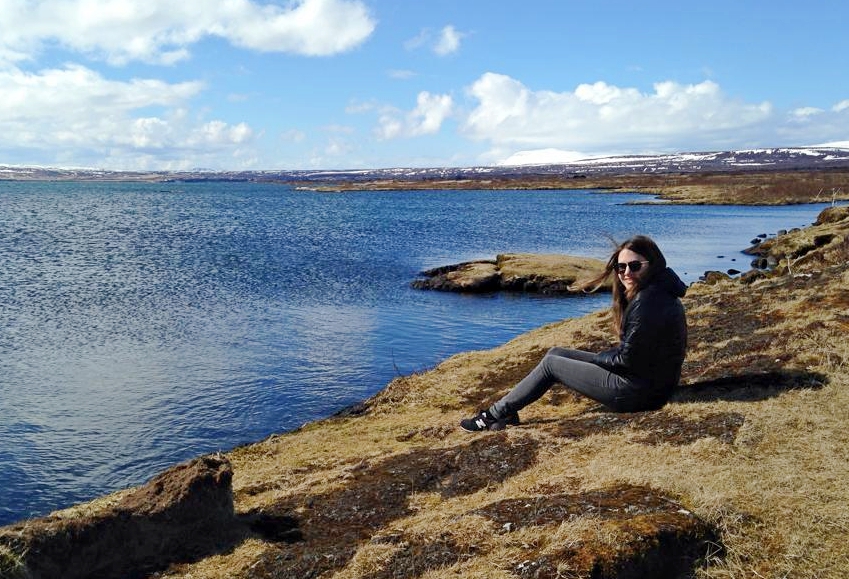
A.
pixel 145 324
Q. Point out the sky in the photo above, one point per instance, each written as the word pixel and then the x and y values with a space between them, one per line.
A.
pixel 364 84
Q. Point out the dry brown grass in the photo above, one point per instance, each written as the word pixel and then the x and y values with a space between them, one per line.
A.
pixel 721 188
pixel 385 493
pixel 548 265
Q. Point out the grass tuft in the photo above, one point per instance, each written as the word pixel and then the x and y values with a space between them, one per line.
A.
pixel 11 565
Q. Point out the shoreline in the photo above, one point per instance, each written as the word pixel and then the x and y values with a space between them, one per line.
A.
pixel 509 360
pixel 777 187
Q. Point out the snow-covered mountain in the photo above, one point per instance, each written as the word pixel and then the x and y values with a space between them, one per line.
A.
pixel 745 160
pixel 798 158
pixel 777 158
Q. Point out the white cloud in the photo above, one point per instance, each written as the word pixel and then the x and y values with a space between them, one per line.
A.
pixel 422 38
pixel 814 125
pixel 357 107
pixel 522 126
pixel 401 74
pixel 337 147
pixel 75 114
pixel 294 136
pixel 834 145
pixel 430 112
pixel 590 118
pixel 339 129
pixel 803 113
pixel 448 42
pixel 160 31
pixel 426 119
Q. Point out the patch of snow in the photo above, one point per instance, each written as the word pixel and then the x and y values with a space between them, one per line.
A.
pixel 542 157
pixel 832 145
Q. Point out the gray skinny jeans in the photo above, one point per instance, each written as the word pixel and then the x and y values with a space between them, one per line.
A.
pixel 574 369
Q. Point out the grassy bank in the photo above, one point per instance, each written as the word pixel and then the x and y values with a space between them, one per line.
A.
pixel 754 444
pixel 749 457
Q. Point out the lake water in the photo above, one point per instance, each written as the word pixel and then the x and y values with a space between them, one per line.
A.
pixel 145 324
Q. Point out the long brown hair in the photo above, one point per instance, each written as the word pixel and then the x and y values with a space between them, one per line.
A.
pixel 642 245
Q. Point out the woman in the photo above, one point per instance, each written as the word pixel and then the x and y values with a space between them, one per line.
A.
pixel 638 374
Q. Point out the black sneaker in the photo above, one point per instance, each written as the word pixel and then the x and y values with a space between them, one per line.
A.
pixel 486 421
pixel 512 419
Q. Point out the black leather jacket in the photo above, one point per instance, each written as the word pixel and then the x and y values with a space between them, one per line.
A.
pixel 654 338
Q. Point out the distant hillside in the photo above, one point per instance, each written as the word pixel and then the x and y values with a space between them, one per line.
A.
pixel 777 159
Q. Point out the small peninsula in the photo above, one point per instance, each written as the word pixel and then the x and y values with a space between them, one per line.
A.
pixel 551 274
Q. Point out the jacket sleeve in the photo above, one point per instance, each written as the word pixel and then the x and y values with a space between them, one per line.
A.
pixel 635 334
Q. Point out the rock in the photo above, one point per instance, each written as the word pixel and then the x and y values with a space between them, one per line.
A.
pixel 471 277
pixel 180 515
pixel 822 240
pixel 522 272
pixel 755 241
pixel 753 275
pixel 732 271
pixel 714 277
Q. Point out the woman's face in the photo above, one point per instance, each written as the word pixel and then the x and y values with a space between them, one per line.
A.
pixel 627 260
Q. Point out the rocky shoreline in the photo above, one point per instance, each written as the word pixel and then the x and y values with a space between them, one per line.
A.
pixel 742 474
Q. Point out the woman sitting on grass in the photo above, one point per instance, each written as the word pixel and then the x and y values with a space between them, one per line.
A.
pixel 638 374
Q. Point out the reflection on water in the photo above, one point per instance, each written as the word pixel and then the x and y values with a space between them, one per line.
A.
pixel 144 324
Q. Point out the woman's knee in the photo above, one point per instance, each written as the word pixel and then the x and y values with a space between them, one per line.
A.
pixel 556 351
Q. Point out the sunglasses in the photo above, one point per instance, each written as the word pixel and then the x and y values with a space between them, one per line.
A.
pixel 634 266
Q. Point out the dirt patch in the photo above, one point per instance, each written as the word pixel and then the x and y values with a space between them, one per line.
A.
pixel 654 428
pixel 333 524
pixel 656 536
pixel 414 558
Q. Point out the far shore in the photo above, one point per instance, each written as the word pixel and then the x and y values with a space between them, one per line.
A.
pixel 729 188
pixel 740 186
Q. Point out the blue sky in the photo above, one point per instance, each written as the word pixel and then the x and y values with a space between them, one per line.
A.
pixel 348 84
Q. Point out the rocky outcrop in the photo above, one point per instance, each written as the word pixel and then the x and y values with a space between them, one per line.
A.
pixel 522 272
pixel 183 514
pixel 832 214
pixel 470 276
pixel 825 241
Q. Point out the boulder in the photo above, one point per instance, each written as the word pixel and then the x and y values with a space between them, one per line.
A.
pixel 714 277
pixel 180 515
